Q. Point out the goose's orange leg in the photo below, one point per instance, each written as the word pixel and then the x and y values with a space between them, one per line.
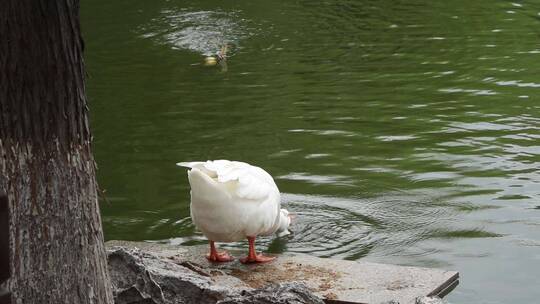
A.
pixel 253 257
pixel 215 256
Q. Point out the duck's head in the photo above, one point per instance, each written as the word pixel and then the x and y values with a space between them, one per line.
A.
pixel 284 223
pixel 210 61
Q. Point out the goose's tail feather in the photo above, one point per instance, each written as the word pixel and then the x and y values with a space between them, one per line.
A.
pixel 189 164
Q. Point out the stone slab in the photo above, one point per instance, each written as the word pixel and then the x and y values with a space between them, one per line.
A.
pixel 336 281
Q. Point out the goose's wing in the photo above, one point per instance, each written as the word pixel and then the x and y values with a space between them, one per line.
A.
pixel 251 182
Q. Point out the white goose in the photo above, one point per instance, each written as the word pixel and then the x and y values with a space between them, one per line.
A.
pixel 232 200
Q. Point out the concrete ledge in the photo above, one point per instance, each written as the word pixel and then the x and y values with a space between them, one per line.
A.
pixel 336 281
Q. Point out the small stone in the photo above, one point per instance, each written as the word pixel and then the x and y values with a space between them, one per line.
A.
pixel 429 300
pixel 291 293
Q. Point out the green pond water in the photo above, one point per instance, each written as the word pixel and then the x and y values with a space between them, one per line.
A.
pixel 403 132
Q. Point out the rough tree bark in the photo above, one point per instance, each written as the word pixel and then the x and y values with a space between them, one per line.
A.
pixel 46 165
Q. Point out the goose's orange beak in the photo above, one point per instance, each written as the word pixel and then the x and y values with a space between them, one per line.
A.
pixel 291 217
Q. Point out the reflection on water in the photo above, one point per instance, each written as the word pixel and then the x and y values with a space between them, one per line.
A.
pixel 398 132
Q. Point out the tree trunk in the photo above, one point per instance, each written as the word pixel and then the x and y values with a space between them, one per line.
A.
pixel 46 164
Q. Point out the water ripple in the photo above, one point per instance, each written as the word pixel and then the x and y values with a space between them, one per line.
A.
pixel 203 32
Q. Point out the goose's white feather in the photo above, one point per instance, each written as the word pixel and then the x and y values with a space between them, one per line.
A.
pixel 231 200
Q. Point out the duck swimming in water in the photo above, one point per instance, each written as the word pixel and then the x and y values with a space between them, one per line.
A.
pixel 221 57
pixel 231 201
